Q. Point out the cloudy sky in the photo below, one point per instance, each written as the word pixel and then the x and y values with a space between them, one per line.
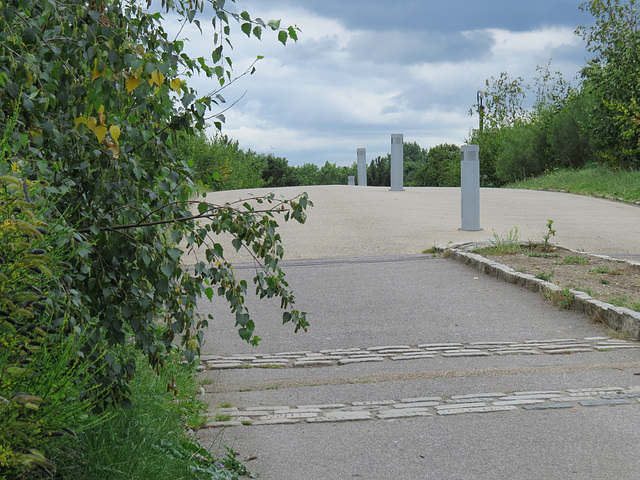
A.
pixel 364 69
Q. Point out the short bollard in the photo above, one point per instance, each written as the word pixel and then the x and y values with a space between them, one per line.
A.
pixel 352 180
pixel 470 188
pixel 397 153
pixel 362 167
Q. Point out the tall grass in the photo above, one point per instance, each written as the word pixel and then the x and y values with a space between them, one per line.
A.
pixel 597 181
pixel 149 441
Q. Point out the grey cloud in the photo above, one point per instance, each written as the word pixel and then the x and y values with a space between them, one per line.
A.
pixel 418 47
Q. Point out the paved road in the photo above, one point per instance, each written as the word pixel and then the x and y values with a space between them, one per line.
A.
pixel 419 367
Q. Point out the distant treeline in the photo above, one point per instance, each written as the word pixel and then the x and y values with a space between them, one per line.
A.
pixel 221 164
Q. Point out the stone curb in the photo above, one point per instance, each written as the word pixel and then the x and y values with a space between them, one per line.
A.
pixel 619 319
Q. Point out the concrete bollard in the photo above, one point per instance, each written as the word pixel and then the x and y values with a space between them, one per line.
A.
pixel 397 162
pixel 470 188
pixel 352 180
pixel 362 167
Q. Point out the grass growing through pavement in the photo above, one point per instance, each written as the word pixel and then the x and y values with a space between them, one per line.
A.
pixel 597 181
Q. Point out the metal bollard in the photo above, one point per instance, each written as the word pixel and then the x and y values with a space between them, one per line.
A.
pixel 470 188
pixel 352 180
pixel 362 167
pixel 397 166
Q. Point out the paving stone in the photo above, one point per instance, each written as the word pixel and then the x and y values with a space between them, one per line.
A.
pixel 622 395
pixel 549 406
pixel 595 339
pixel 289 415
pixel 613 346
pixel 477 395
pixel 599 403
pixel 403 413
pixel 341 416
pixel 515 352
pixel 416 356
pixel 569 350
pixel 595 389
pixel 248 409
pixel 346 361
pixel 440 345
pixel 456 411
pixel 490 343
pixel 466 354
pixel 460 405
pixel 239 358
pixel 399 350
pixel 523 401
pixel 390 347
pixel 230 423
pixel 373 403
pixel 415 404
pixel 224 366
pixel 533 396
pixel 325 406
pixel 303 352
pixel 275 421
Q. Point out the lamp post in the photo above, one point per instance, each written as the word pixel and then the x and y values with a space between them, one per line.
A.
pixel 479 98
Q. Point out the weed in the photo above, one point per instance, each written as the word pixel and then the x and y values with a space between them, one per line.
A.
pixel 508 244
pixel 575 260
pixel 566 299
pixel 604 281
pixel 542 255
pixel 221 417
pixel 636 306
pixel 206 381
pixel 550 232
pixel 431 250
pixel 270 365
pixel 600 270
pixel 618 301
pixel 272 387
pixel 226 405
pixel 247 422
pixel 245 389
pixel 544 276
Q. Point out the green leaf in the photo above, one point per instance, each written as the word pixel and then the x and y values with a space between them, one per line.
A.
pixel 282 37
pixel 237 243
pixel 257 32
pixel 246 28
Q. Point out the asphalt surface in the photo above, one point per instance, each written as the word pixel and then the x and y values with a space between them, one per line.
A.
pixel 356 268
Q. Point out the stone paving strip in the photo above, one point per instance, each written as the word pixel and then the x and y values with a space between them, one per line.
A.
pixel 426 406
pixel 336 357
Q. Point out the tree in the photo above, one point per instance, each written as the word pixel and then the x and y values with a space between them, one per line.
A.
pixel 612 78
pixel 99 92
pixel 442 168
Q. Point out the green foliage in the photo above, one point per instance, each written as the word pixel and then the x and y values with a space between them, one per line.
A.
pixel 379 172
pixel 220 163
pixel 101 92
pixel 522 153
pixel 549 233
pixel 152 432
pixel 612 78
pixel 594 180
pixel 442 168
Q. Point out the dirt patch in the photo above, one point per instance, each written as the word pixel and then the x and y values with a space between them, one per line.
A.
pixel 612 281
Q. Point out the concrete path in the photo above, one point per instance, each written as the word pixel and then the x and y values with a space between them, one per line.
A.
pixel 419 367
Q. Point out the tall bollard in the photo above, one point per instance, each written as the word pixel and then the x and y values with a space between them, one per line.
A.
pixel 470 187
pixel 362 167
pixel 351 180
pixel 397 153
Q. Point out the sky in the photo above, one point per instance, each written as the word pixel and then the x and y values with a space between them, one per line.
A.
pixel 365 69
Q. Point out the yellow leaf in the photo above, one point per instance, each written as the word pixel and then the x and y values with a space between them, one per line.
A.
pixel 92 122
pixel 175 85
pixel 80 120
pixel 115 132
pixel 100 132
pixel 157 78
pixel 132 84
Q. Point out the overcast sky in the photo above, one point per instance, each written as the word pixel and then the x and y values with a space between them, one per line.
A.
pixel 364 69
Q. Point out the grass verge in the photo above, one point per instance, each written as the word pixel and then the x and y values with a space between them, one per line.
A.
pixel 596 181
